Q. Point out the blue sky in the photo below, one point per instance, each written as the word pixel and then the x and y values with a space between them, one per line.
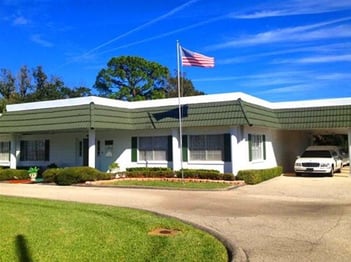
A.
pixel 275 50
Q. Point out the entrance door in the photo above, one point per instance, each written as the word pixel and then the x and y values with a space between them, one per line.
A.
pixel 85 152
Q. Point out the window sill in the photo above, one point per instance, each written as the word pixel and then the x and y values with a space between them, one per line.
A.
pixel 153 162
pixel 206 162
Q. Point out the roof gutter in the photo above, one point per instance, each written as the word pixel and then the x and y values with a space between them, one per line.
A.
pixel 240 101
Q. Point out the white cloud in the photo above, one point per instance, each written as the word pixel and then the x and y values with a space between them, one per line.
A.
pixel 20 20
pixel 39 40
pixel 288 89
pixel 324 59
pixel 291 34
pixel 296 7
pixel 335 76
pixel 138 28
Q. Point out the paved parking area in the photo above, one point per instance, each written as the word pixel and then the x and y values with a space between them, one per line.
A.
pixel 285 219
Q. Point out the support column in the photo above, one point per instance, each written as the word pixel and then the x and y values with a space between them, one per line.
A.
pixel 176 150
pixel 92 146
pixel 13 152
pixel 235 135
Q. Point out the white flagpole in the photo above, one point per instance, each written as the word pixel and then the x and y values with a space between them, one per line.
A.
pixel 180 112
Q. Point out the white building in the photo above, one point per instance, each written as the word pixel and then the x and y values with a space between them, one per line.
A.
pixel 228 132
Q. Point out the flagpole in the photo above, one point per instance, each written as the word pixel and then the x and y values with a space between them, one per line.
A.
pixel 180 112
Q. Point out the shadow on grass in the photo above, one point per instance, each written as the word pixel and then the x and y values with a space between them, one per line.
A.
pixel 22 249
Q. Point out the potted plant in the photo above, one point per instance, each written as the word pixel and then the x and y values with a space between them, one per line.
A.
pixel 33 172
pixel 113 167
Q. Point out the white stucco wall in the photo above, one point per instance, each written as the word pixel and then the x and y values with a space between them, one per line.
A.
pixel 288 145
pixel 281 148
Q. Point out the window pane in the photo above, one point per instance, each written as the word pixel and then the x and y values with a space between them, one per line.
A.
pixel 257 147
pixel 214 155
pixel 4 151
pixel 197 155
pixel 160 155
pixel 206 147
pixel 153 148
pixel 198 142
pixel 33 150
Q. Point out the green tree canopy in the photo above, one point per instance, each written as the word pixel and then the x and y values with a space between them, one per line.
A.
pixel 132 78
pixel 186 87
pixel 34 85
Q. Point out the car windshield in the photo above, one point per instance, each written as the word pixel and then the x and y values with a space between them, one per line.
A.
pixel 316 153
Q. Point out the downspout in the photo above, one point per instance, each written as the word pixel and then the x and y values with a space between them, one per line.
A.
pixel 244 112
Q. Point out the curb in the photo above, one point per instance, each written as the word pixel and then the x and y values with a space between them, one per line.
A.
pixel 235 253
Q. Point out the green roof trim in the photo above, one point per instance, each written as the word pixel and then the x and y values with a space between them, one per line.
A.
pixel 315 117
pixel 205 114
pixel 51 119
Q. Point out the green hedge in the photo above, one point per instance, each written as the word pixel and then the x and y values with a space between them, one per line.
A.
pixel 9 174
pixel 148 173
pixel 204 174
pixel 253 176
pixel 50 174
pixel 152 169
pixel 73 175
pixel 168 173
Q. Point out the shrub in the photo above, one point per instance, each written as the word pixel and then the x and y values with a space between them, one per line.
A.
pixel 148 169
pixel 148 173
pixel 200 174
pixel 228 177
pixel 75 175
pixel 253 176
pixel 161 172
pixel 8 174
pixel 50 174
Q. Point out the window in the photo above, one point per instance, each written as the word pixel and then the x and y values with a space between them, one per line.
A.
pixel 153 148
pixel 206 147
pixel 4 151
pixel 35 150
pixel 108 148
pixel 257 148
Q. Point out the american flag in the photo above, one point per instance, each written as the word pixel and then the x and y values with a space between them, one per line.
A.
pixel 190 58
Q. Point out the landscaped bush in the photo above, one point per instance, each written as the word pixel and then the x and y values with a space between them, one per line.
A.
pixel 144 172
pixel 9 174
pixel 228 177
pixel 201 174
pixel 50 174
pixel 142 169
pixel 75 175
pixel 161 172
pixel 252 177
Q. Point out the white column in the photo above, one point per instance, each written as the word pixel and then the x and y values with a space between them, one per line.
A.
pixel 235 137
pixel 176 150
pixel 92 146
pixel 13 152
pixel 349 142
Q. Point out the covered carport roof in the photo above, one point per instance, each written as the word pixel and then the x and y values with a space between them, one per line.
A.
pixel 231 109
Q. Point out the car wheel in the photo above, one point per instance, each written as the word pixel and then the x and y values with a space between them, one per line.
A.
pixel 297 174
pixel 331 172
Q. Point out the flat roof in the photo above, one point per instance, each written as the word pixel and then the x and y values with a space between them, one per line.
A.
pixel 224 97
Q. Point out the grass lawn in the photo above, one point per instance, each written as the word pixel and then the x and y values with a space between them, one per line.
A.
pixel 169 184
pixel 43 230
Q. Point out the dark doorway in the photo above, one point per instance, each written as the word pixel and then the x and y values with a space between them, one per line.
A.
pixel 85 151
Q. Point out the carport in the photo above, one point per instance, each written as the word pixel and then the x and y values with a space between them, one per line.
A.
pixel 301 122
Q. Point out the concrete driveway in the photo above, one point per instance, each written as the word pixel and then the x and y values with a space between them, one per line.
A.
pixel 285 219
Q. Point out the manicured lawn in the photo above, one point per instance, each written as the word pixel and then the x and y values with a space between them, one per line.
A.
pixel 42 230
pixel 169 184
